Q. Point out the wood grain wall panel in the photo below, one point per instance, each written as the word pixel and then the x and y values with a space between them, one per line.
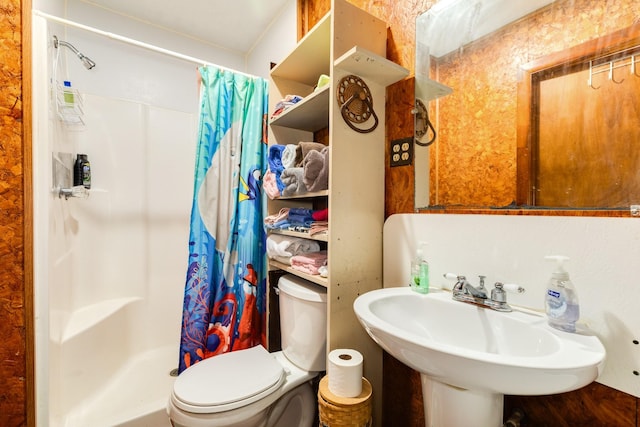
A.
pixel 12 314
pixel 314 10
pixel 399 182
pixel 399 15
pixel 595 405
pixel 477 148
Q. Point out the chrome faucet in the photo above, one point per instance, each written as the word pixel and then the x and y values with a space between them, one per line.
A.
pixel 465 292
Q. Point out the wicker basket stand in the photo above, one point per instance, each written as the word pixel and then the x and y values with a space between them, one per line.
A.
pixel 336 411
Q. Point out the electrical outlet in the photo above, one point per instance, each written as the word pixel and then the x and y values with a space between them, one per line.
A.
pixel 401 152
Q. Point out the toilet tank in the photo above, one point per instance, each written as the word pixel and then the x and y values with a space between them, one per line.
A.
pixel 303 322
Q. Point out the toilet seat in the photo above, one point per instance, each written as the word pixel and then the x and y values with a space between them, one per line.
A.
pixel 228 381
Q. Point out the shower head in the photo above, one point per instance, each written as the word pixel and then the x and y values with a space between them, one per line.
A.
pixel 86 61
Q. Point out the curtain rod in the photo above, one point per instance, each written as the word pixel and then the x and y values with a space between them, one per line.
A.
pixel 134 42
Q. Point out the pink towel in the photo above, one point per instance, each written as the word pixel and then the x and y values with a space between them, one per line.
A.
pixel 270 185
pixel 280 216
pixel 309 262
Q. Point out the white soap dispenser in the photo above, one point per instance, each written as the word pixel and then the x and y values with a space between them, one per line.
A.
pixel 561 299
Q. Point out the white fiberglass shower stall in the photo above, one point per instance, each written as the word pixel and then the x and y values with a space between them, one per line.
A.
pixel 110 268
pixel 113 263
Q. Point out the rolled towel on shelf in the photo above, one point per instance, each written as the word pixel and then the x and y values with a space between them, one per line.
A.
pixel 293 182
pixel 316 170
pixel 277 246
pixel 270 185
pixel 274 160
pixel 289 156
pixel 275 157
pixel 304 148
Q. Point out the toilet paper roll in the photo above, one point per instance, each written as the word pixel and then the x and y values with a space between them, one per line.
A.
pixel 345 372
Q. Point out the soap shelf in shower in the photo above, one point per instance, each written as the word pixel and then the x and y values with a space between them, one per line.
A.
pixel 69 105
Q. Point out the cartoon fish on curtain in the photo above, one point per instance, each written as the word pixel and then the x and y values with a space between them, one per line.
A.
pixel 225 291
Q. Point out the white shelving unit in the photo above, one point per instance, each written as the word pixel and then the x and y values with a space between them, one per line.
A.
pixel 347 41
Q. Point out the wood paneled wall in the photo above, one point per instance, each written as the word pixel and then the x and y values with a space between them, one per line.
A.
pixel 16 334
pixel 476 149
pixel 593 406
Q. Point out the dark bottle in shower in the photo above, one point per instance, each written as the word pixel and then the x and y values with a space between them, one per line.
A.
pixel 82 171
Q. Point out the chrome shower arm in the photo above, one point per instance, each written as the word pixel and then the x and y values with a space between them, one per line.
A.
pixel 86 61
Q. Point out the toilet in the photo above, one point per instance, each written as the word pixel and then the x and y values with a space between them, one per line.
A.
pixel 255 388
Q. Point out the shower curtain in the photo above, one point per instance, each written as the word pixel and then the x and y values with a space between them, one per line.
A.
pixel 224 299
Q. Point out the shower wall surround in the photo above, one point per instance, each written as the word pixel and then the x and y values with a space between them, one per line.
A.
pixel 17 405
pixel 118 258
pixel 111 268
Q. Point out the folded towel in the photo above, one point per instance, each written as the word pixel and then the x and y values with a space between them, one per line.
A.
pixel 310 262
pixel 280 225
pixel 304 148
pixel 300 215
pixel 270 185
pixel 318 227
pixel 292 181
pixel 283 259
pixel 289 156
pixel 320 215
pixel 288 246
pixel 272 219
pixel 316 170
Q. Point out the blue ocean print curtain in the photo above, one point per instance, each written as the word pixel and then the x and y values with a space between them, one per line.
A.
pixel 224 298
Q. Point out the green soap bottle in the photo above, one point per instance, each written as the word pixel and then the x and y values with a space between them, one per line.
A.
pixel 420 270
pixel 68 95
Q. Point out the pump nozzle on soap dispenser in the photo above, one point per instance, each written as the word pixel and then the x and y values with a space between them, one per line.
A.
pixel 561 299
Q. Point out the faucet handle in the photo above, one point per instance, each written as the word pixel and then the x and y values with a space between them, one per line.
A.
pixel 452 276
pixel 460 281
pixel 498 293
pixel 512 287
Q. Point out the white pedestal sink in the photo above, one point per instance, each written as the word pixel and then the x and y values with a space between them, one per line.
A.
pixel 470 357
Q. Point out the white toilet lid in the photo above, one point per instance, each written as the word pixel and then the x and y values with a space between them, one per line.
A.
pixel 228 381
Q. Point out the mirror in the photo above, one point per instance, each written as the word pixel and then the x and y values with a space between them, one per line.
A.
pixel 529 103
